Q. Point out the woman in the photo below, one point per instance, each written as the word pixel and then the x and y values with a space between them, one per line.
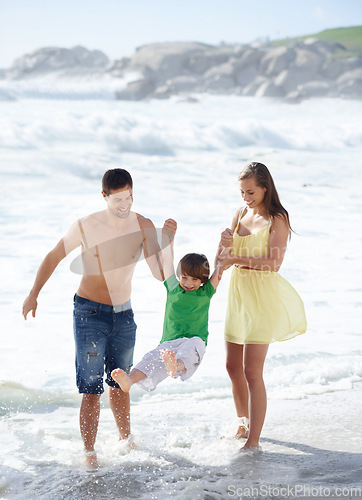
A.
pixel 262 306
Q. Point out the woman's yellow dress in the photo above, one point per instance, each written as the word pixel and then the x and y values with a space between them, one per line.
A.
pixel 262 306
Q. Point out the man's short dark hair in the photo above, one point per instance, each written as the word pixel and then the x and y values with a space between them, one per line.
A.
pixel 195 265
pixel 117 178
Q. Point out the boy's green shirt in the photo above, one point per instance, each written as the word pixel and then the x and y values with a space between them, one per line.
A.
pixel 186 313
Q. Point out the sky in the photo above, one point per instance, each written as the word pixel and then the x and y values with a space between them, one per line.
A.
pixel 118 27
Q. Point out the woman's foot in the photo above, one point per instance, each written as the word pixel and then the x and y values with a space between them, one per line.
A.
pixel 251 450
pixel 243 428
pixel 122 378
pixel 251 447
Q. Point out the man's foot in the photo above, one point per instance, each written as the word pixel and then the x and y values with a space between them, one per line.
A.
pixel 169 358
pixel 90 459
pixel 126 445
pixel 122 379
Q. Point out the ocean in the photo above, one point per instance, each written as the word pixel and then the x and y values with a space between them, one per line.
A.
pixel 184 158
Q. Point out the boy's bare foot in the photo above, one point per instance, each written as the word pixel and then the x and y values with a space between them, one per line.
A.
pixel 122 379
pixel 90 459
pixel 169 358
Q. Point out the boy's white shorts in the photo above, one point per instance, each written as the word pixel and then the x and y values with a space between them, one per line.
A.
pixel 189 350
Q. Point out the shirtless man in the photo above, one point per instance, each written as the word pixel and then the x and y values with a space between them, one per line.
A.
pixel 104 329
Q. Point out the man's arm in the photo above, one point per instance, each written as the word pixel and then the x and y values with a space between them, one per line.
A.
pixel 45 270
pixel 154 254
pixel 64 246
pixel 151 248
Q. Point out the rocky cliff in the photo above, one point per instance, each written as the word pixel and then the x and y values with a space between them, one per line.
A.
pixel 304 68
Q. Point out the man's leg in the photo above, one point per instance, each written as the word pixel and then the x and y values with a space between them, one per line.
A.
pixel 90 345
pixel 119 403
pixel 88 420
pixel 120 346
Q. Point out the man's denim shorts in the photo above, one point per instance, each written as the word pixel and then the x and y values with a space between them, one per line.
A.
pixel 104 340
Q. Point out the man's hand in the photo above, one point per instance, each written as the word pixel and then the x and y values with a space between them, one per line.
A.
pixel 30 304
pixel 170 227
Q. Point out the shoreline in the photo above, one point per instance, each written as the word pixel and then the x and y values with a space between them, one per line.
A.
pixel 310 445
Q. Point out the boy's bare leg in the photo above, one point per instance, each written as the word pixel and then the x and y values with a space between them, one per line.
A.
pixel 126 380
pixel 172 364
pixel 88 420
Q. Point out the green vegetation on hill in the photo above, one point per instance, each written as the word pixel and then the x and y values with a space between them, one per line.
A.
pixel 350 38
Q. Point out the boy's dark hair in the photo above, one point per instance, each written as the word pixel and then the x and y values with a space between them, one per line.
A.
pixel 116 178
pixel 195 265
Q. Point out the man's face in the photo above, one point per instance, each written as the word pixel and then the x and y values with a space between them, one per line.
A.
pixel 119 201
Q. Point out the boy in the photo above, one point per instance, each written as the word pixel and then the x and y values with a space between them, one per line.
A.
pixel 185 328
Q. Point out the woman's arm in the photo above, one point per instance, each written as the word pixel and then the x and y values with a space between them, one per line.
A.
pixel 277 246
pixel 226 240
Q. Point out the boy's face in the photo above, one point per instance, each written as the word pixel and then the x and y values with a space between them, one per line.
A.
pixel 119 201
pixel 189 283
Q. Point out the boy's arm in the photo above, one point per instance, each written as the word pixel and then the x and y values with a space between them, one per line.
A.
pixel 168 236
pixel 216 276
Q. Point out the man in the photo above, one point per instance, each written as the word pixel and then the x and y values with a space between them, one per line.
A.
pixel 104 329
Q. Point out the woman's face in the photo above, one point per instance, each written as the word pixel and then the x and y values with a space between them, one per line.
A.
pixel 252 194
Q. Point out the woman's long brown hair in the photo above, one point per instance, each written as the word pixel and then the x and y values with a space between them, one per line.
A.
pixel 264 179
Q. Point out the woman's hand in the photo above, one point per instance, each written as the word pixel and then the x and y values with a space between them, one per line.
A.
pixel 226 260
pixel 227 238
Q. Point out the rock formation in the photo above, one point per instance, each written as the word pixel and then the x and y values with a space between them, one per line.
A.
pixel 301 69
pixel 54 59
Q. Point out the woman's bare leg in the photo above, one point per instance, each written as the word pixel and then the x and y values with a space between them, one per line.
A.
pixel 254 358
pixel 235 369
